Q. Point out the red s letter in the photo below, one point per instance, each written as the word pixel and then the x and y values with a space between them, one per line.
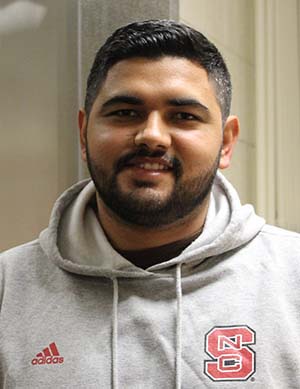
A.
pixel 231 357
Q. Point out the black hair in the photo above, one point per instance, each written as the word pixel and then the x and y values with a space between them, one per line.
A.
pixel 155 39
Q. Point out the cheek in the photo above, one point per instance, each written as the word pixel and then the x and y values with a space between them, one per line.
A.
pixel 198 151
pixel 105 147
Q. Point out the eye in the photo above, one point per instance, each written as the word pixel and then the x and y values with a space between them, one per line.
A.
pixel 124 113
pixel 185 116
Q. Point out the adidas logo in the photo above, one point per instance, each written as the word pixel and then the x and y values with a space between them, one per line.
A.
pixel 49 356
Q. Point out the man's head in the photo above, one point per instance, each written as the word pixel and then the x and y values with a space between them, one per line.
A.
pixel 158 38
pixel 155 127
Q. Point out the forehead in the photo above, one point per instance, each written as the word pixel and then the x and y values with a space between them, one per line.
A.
pixel 166 77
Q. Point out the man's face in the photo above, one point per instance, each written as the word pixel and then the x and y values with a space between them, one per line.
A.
pixel 153 140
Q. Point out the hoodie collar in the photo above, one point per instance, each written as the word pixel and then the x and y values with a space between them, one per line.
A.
pixel 76 241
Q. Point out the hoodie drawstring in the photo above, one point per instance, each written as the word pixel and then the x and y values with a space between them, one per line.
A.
pixel 115 335
pixel 178 326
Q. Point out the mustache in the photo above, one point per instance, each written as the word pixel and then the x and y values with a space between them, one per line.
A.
pixel 126 159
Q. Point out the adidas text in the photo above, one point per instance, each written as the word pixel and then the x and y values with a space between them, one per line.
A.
pixel 47 361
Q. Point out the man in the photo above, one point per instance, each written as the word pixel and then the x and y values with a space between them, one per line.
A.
pixel 153 275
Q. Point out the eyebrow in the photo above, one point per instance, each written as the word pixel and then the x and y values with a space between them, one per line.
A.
pixel 133 100
pixel 125 99
pixel 178 102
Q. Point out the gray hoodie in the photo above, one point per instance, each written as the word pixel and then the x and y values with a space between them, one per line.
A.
pixel 223 314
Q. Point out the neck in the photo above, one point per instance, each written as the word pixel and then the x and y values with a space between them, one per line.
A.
pixel 124 236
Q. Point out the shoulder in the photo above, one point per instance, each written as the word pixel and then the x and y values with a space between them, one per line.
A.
pixel 16 265
pixel 24 251
pixel 279 246
pixel 23 269
pixel 280 238
pixel 273 255
pixel 272 231
pixel 275 248
pixel 20 258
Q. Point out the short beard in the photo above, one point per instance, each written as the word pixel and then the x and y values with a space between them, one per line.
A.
pixel 153 212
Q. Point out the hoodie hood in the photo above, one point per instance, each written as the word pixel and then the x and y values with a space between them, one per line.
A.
pixel 77 243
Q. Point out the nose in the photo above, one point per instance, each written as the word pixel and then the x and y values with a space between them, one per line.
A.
pixel 154 134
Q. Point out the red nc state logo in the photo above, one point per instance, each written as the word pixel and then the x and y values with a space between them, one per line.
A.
pixel 231 357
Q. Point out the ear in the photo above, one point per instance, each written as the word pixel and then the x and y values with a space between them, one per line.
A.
pixel 82 124
pixel 230 136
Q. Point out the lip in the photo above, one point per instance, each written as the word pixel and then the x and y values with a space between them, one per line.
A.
pixel 140 173
pixel 138 161
pixel 135 169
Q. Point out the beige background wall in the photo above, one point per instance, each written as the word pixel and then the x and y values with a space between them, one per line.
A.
pixel 38 148
pixel 277 49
